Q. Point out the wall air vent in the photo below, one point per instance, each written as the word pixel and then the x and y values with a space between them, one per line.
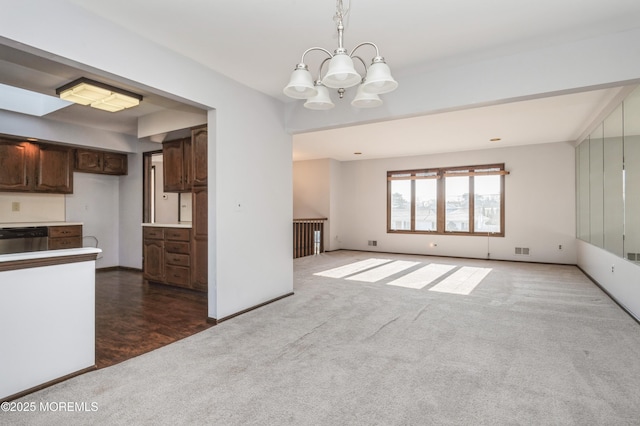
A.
pixel 522 251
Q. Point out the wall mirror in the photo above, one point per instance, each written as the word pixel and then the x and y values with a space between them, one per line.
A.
pixel 607 182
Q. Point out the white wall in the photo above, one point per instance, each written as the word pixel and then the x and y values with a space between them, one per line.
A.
pixel 130 214
pixel 95 202
pixel 166 202
pixel 316 189
pixel 311 189
pixel 12 123
pixel 47 323
pixel 539 206
pixel 32 207
pixel 249 155
pixel 616 275
pixel 335 195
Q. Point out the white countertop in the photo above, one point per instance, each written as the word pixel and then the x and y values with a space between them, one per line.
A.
pixel 169 225
pixel 30 224
pixel 47 253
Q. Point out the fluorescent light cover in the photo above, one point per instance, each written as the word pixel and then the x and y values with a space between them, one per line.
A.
pixel 84 94
pixel 98 95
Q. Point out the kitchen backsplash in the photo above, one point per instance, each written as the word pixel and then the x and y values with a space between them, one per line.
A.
pixel 16 207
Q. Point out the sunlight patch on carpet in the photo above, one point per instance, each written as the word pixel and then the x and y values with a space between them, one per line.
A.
pixel 462 281
pixel 352 268
pixel 384 271
pixel 423 276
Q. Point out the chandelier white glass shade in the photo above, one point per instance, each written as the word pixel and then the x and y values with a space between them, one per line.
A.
pixel 321 100
pixel 341 74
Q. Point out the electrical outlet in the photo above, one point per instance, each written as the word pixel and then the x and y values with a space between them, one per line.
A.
pixel 559 246
pixel 15 206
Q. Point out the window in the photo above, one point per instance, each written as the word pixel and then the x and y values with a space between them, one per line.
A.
pixel 458 200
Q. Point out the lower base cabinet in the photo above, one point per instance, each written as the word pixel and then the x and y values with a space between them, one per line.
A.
pixel 65 237
pixel 167 256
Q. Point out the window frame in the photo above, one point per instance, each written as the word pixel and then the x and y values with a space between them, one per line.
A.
pixel 440 174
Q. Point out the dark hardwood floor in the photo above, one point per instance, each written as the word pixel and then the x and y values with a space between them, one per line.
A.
pixel 133 318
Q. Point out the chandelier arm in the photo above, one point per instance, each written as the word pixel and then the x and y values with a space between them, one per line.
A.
pixel 363 44
pixel 320 68
pixel 315 48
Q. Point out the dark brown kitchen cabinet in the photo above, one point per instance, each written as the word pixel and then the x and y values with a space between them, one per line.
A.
pixel 199 156
pixel 65 237
pixel 167 255
pixel 177 165
pixel 153 254
pixel 102 162
pixel 30 167
pixel 200 249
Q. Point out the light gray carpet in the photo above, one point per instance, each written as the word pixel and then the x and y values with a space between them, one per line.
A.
pixel 532 344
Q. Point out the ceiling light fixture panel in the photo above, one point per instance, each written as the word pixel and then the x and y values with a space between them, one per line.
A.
pixel 98 95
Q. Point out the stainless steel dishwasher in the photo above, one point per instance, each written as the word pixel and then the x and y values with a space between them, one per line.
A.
pixel 20 240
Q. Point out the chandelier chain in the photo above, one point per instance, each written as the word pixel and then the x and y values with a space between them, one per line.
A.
pixel 341 12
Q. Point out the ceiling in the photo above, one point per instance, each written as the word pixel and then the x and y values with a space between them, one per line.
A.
pixel 41 75
pixel 258 43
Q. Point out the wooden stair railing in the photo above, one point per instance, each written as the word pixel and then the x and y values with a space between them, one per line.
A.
pixel 308 237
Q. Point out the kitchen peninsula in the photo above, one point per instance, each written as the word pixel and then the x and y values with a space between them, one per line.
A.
pixel 47 318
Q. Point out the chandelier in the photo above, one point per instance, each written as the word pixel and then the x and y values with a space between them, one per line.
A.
pixel 341 74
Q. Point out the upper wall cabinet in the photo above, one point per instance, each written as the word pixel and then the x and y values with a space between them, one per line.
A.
pixel 177 165
pixel 29 167
pixel 199 156
pixel 102 162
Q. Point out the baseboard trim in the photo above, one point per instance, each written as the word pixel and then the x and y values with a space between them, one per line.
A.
pixel 443 255
pixel 118 268
pixel 244 311
pixel 47 384
pixel 616 301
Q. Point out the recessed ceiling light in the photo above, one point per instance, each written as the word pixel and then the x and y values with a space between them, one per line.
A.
pixel 495 139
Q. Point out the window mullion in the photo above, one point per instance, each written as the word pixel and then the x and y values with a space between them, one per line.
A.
pixel 472 206
pixel 441 205
pixel 413 204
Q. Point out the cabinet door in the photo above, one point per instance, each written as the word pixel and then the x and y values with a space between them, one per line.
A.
pixel 153 260
pixel 54 169
pixel 199 157
pixel 15 166
pixel 114 164
pixel 187 165
pixel 199 248
pixel 88 161
pixel 173 170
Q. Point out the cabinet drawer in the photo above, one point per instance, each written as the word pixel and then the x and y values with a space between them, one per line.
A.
pixel 174 247
pixel 177 259
pixel 65 231
pixel 177 275
pixel 65 243
pixel 153 233
pixel 177 234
